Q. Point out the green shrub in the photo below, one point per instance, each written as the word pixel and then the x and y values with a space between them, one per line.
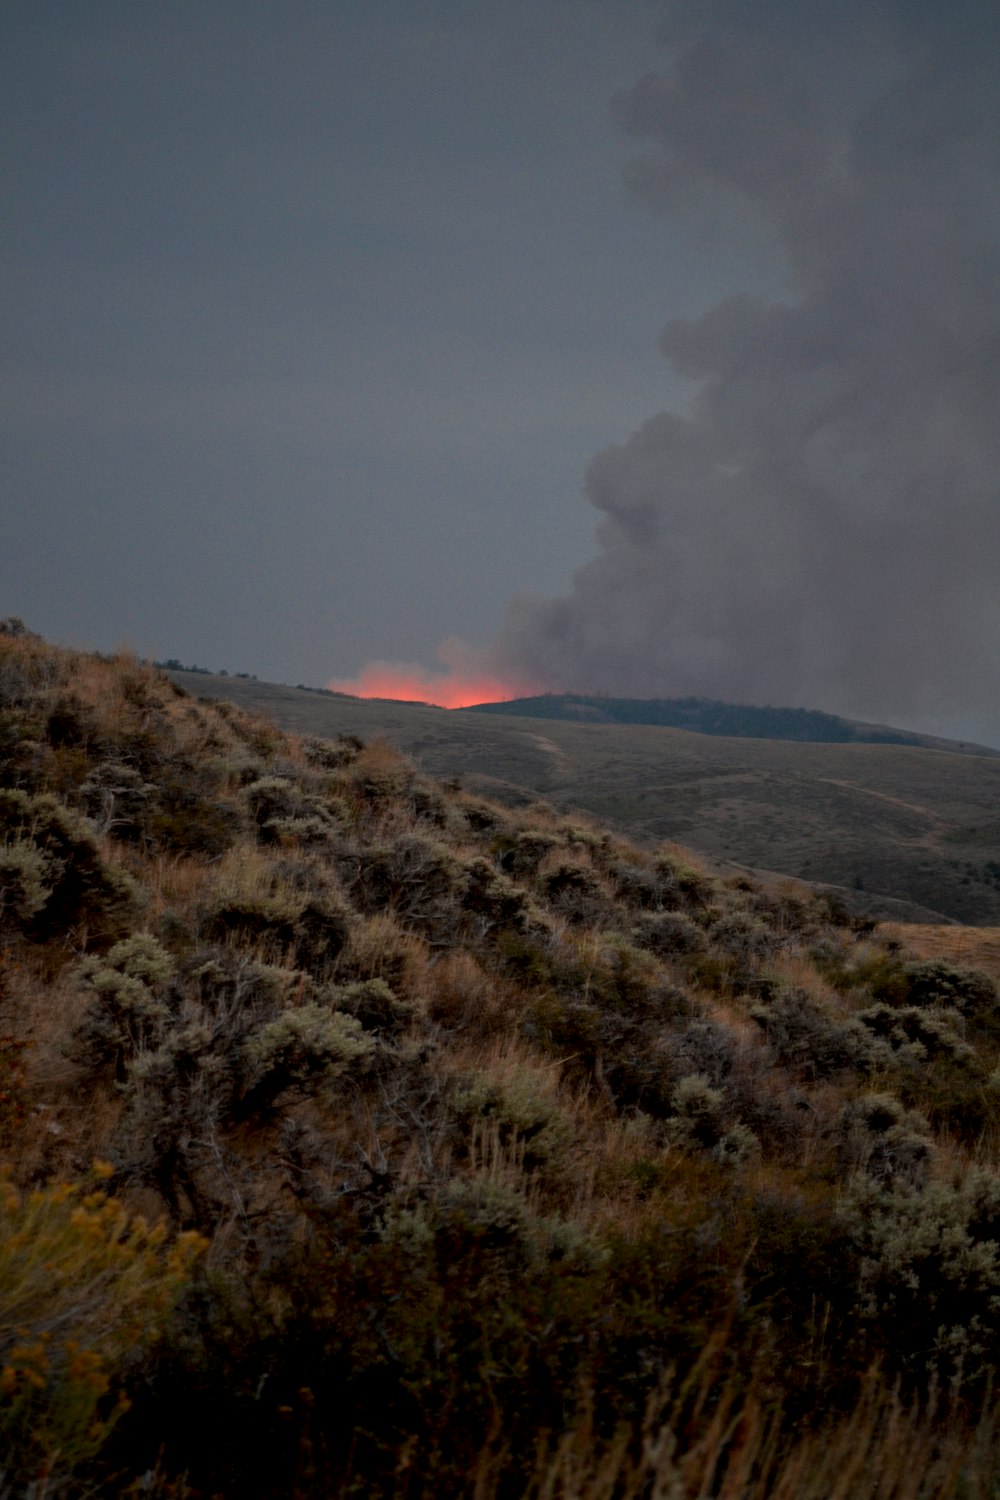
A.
pixel 785 912
pixel 682 884
pixel 129 1009
pixel 629 979
pixel 419 880
pixel 642 887
pixel 704 1045
pixel 669 933
pixel 231 1038
pixel 287 907
pixel 850 966
pixel 929 1277
pixel 482 817
pixel 742 936
pixel 700 1117
pixel 956 1093
pixel 576 892
pixel 430 804
pixel 938 983
pixel 520 1103
pixel 914 1034
pixel 803 1038
pixel 378 776
pixel 498 902
pixel 53 876
pixel 332 754
pixel 282 810
pixel 118 800
pixel 298 1048
pixel 25 882
pixel 697 1110
pixel 70 723
pixel 187 818
pixel 519 854
pixel 372 1003
pixel 14 627
pixel 884 1140
pixel 399 1349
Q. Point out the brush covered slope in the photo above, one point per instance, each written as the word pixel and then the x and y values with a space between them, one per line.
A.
pixel 364 1137
pixel 908 833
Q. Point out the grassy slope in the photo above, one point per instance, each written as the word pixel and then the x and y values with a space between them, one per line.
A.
pixel 887 823
pixel 517 1160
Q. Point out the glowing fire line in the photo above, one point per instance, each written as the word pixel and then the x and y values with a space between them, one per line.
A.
pixel 413 683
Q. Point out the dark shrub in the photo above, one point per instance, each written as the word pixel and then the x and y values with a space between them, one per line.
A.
pixel 520 854
pixel 804 1038
pixel 72 886
pixel 936 982
pixel 419 880
pixel 496 900
pixel 184 822
pixel 669 932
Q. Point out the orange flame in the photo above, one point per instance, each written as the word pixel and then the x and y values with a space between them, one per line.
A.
pixel 412 683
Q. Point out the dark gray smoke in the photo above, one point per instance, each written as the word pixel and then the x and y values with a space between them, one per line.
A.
pixel 823 528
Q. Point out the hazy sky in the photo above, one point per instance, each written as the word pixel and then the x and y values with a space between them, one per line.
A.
pixel 639 347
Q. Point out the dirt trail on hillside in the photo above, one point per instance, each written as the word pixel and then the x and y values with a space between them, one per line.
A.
pixel 864 791
pixel 558 756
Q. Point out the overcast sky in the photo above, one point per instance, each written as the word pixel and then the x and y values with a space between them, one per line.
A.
pixel 626 346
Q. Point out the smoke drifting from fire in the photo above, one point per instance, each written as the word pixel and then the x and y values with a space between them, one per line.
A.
pixel 465 678
pixel 823 527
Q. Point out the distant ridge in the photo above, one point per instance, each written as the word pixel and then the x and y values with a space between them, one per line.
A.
pixel 709 716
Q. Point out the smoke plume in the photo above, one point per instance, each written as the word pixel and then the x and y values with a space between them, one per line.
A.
pixel 822 528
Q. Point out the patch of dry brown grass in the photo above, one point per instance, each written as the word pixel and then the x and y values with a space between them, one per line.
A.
pixel 378 948
pixel 974 947
pixel 67 1122
pixel 699 1440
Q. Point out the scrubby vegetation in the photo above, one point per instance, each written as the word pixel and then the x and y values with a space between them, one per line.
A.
pixel 362 1137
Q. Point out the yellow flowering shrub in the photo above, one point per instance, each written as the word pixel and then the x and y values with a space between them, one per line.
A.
pixel 81 1282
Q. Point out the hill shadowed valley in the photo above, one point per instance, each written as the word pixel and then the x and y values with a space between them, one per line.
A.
pixel 909 832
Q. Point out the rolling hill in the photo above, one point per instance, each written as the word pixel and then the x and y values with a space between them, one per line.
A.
pixel 904 832
pixel 710 716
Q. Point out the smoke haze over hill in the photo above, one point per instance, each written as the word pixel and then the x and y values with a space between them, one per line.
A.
pixel 323 312
pixel 822 527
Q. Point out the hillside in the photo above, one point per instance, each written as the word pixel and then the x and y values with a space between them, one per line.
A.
pixel 906 833
pixel 710 716
pixel 365 1136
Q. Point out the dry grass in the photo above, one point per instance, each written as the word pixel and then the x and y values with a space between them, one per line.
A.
pixel 461 997
pixel 177 882
pixel 69 1123
pixel 378 948
pixel 974 947
pixel 703 1438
